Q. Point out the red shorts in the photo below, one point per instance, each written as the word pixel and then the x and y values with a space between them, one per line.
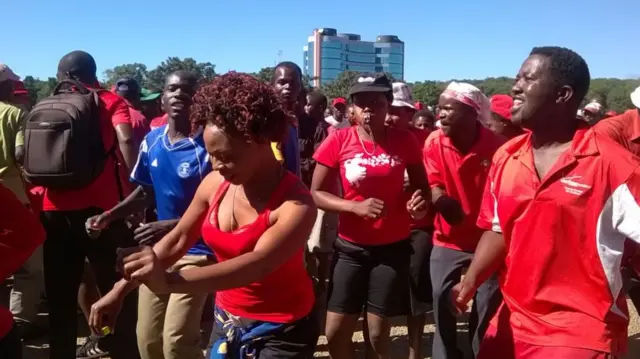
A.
pixel 505 347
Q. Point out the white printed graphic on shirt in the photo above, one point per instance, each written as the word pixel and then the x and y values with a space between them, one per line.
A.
pixel 355 169
pixel 572 186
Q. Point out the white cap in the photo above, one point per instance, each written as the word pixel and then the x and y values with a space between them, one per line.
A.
pixel 7 74
pixel 593 106
pixel 402 96
pixel 635 97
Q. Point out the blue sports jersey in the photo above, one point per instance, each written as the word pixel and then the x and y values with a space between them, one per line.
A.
pixel 174 171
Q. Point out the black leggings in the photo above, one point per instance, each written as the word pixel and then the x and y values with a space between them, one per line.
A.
pixel 11 345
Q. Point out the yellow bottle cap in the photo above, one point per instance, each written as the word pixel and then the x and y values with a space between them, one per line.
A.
pixel 106 331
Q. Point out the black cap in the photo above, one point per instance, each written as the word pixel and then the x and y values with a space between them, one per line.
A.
pixel 371 83
pixel 128 88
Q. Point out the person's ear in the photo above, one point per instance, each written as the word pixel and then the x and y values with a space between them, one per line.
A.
pixel 565 94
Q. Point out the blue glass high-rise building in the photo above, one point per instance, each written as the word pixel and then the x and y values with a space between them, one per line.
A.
pixel 329 53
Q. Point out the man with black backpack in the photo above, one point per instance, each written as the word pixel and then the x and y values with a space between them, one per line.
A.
pixel 79 146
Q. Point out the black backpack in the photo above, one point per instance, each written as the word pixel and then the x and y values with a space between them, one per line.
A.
pixel 63 139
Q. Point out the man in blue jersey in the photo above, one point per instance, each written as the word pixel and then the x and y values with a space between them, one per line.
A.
pixel 171 164
pixel 287 81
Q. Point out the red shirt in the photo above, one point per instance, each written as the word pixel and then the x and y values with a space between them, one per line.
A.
pixel 20 235
pixel 372 171
pixel 282 296
pixel 421 135
pixel 103 191
pixel 462 177
pixel 623 129
pixel 159 121
pixel 565 234
pixel 138 122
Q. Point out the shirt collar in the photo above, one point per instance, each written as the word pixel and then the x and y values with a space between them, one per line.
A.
pixel 583 144
pixel 483 132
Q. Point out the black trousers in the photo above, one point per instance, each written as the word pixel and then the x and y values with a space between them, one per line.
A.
pixel 11 345
pixel 446 270
pixel 64 253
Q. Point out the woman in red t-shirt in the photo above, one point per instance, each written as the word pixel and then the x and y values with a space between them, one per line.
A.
pixel 256 217
pixel 372 252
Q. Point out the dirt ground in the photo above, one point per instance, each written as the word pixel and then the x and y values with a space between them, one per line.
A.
pixel 39 350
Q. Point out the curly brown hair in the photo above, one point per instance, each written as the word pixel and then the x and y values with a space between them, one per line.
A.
pixel 239 104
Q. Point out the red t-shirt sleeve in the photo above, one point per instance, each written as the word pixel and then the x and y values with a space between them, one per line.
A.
pixel 328 154
pixel 120 113
pixel 431 163
pixel 20 233
pixel 488 215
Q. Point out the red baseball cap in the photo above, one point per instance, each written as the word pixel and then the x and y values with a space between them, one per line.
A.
pixel 419 106
pixel 338 100
pixel 501 105
pixel 19 89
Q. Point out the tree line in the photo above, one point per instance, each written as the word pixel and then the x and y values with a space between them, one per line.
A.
pixel 612 93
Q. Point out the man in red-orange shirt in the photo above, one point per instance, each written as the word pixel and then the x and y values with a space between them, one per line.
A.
pixel 625 130
pixel 559 202
pixel 457 158
pixel 64 216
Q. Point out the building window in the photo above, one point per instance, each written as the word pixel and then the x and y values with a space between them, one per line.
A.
pixel 332 44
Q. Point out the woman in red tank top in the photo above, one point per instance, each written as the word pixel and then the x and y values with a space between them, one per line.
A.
pixel 256 217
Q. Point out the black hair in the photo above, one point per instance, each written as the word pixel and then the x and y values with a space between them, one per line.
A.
pixel 423 113
pixel 317 96
pixel 78 65
pixel 183 75
pixel 287 65
pixel 567 69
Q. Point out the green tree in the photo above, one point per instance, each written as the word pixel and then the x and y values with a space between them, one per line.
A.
pixel 496 85
pixel 156 77
pixel 136 70
pixel 340 86
pixel 264 74
pixel 427 92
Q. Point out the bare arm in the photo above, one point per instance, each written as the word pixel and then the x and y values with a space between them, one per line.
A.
pixel 487 260
pixel 418 180
pixel 138 200
pixel 176 243
pixel 450 209
pixel 127 144
pixel 18 154
pixel 323 189
pixel 288 234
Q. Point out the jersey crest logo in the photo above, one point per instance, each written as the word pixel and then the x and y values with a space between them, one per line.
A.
pixel 184 170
